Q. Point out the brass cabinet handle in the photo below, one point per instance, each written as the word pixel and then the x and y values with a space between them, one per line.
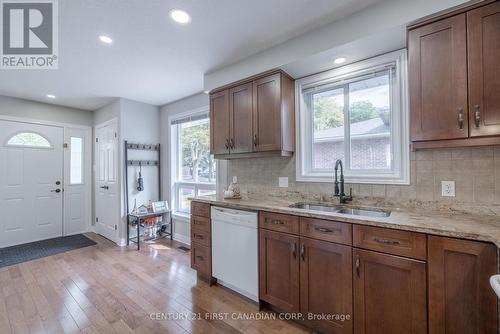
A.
pixel 461 118
pixel 323 230
pixel 357 266
pixel 255 140
pixel 277 222
pixel 199 257
pixel 227 144
pixel 477 115
pixel 199 236
pixel 303 252
pixel 294 250
pixel 386 241
pixel 231 143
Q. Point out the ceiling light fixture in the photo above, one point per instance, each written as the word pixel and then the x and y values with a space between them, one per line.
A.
pixel 180 16
pixel 339 60
pixel 106 39
pixel 50 96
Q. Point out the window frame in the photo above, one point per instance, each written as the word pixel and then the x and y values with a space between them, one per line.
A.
pixel 176 182
pixel 338 77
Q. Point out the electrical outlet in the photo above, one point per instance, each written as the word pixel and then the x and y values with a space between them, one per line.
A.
pixel 283 182
pixel 235 179
pixel 448 188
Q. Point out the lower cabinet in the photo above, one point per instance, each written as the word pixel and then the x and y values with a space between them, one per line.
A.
pixel 279 270
pixel 326 285
pixel 389 294
pixel 460 297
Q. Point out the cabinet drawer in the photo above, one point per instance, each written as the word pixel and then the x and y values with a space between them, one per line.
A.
pixel 200 259
pixel 200 236
pixel 200 223
pixel 326 230
pixel 200 209
pixel 404 243
pixel 279 222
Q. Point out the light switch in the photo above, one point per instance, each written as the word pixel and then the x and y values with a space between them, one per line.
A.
pixel 283 182
pixel 448 188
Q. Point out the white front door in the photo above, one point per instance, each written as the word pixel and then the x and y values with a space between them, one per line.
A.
pixel 31 176
pixel 106 199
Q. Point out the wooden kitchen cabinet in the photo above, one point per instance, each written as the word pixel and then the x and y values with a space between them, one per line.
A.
pixel 438 80
pixel 389 294
pixel 219 122
pixel 326 283
pixel 454 78
pixel 258 119
pixel 279 270
pixel 483 36
pixel 460 297
pixel 241 115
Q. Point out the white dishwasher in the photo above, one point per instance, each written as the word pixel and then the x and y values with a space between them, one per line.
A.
pixel 234 250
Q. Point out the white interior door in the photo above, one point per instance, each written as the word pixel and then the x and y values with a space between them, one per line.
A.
pixel 107 213
pixel 31 190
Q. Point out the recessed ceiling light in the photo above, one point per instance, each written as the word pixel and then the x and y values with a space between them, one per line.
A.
pixel 106 39
pixel 180 16
pixel 50 96
pixel 339 60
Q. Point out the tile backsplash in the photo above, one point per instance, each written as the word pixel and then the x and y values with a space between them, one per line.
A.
pixel 476 172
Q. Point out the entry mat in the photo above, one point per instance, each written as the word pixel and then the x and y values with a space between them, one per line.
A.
pixel 38 249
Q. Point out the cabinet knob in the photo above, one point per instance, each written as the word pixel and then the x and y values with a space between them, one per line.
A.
pixel 461 118
pixel 477 115
pixel 227 144
pixel 255 140
pixel 231 143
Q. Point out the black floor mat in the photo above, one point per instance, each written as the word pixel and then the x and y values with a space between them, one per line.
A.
pixel 182 248
pixel 38 249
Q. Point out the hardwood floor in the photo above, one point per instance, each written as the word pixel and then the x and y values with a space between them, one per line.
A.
pixel 110 289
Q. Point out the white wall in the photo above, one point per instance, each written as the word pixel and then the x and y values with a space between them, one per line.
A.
pixel 108 112
pixel 14 107
pixel 379 18
pixel 139 123
pixel 182 230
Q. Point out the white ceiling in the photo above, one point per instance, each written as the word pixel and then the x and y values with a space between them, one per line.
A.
pixel 155 60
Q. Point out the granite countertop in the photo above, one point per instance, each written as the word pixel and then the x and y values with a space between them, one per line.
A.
pixel 482 227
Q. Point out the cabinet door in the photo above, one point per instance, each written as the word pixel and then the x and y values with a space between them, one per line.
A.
pixel 483 29
pixel 389 294
pixel 219 122
pixel 241 119
pixel 267 113
pixel 279 270
pixel 438 80
pixel 326 283
pixel 460 297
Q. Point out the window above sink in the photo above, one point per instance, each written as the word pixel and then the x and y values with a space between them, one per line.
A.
pixel 357 113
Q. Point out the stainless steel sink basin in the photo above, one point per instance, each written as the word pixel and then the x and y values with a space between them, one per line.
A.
pixel 316 207
pixel 342 209
pixel 364 212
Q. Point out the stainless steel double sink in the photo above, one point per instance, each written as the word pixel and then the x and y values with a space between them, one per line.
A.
pixel 355 211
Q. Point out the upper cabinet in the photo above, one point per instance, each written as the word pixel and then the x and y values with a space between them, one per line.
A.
pixel 454 77
pixel 483 35
pixel 253 117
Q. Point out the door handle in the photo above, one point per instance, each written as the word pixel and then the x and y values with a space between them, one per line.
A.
pixel 56 191
pixel 461 118
pixel 357 265
pixel 104 187
pixel 477 115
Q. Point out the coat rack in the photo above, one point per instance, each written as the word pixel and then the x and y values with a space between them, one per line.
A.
pixel 160 234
